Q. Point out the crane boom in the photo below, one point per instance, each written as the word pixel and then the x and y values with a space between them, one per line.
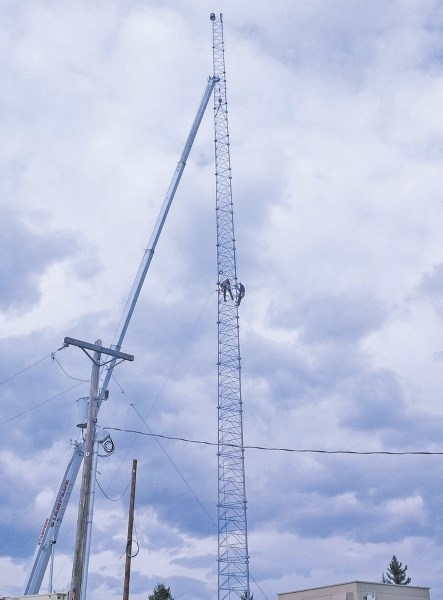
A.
pixel 49 533
pixel 149 252
pixel 51 527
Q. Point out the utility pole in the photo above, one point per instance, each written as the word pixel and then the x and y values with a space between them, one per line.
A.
pixel 130 529
pixel 81 554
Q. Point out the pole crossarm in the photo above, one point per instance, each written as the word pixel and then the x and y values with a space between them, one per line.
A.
pixel 96 348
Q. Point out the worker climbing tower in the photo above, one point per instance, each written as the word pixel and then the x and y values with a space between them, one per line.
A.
pixel 233 559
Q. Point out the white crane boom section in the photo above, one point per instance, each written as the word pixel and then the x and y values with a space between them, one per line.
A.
pixel 51 528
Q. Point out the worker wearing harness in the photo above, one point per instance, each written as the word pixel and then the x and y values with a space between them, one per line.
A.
pixel 225 286
pixel 241 293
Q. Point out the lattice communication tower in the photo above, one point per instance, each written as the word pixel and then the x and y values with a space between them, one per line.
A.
pixel 233 559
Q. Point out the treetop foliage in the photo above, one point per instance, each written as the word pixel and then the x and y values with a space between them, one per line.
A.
pixel 161 592
pixel 396 573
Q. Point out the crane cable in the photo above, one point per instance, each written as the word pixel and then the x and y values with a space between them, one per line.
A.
pixel 159 393
pixel 185 343
pixel 182 477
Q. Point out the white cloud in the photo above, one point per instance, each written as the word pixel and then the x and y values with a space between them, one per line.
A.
pixel 336 150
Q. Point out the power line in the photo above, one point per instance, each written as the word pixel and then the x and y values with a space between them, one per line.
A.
pixel 40 404
pixel 33 365
pixel 180 474
pixel 178 356
pixel 67 374
pixel 35 406
pixel 26 368
pixel 157 397
pixel 108 497
pixel 275 449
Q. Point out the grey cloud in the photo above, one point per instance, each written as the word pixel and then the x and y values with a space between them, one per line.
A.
pixel 376 402
pixel 15 538
pixel 337 318
pixel 301 373
pixel 432 282
pixel 349 495
pixel 25 255
pixel 96 121
pixel 194 561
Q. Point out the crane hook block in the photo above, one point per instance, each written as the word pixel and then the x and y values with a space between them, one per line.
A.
pixel 212 17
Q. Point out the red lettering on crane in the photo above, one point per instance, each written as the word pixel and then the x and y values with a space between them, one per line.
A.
pixel 59 502
pixel 43 532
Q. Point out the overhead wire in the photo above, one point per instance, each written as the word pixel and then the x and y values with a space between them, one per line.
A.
pixel 106 495
pixel 150 433
pixel 35 406
pixel 258 585
pixel 188 337
pixel 136 535
pixel 175 467
pixel 51 355
pixel 203 442
pixel 171 370
pixel 179 355
pixel 277 449
pixel 67 374
pixel 25 369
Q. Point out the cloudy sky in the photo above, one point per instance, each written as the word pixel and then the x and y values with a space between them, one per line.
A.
pixel 337 141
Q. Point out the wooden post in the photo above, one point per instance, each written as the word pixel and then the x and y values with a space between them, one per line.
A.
pixel 130 529
pixel 80 541
pixel 84 519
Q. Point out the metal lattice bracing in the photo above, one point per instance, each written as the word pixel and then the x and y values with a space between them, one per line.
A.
pixel 233 560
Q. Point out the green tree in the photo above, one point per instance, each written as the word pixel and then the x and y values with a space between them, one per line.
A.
pixel 161 592
pixel 396 573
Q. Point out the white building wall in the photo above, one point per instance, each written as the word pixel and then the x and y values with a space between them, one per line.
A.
pixel 359 590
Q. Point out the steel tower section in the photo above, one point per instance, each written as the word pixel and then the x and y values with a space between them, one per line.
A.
pixel 233 559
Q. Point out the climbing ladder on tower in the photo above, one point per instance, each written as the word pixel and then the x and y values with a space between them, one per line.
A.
pixel 233 559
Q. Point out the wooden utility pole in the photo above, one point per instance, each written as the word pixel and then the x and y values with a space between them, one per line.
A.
pixel 81 551
pixel 130 529
pixel 80 540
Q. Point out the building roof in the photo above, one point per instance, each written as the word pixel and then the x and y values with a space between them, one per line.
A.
pixel 355 582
